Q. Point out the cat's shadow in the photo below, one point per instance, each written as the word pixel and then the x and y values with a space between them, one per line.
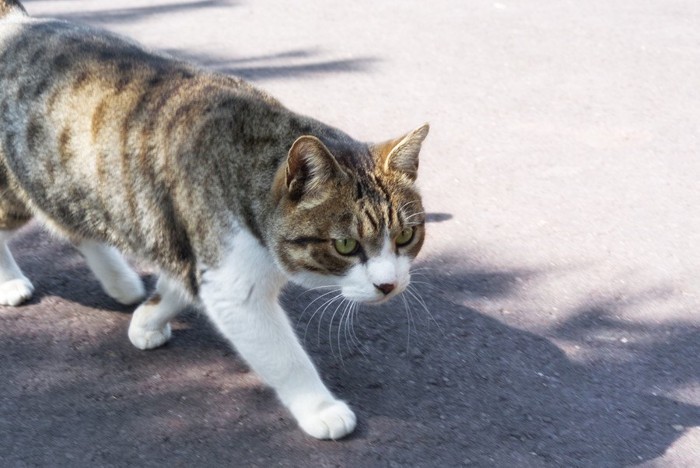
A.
pixel 55 268
pixel 466 384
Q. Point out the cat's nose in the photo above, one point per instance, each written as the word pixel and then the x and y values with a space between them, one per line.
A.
pixel 386 288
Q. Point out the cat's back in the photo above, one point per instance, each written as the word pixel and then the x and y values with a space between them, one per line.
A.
pixel 49 52
pixel 74 79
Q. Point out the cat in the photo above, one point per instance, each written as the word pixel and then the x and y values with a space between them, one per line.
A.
pixel 225 191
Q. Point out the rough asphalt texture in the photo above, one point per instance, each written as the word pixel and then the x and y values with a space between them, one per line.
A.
pixel 561 271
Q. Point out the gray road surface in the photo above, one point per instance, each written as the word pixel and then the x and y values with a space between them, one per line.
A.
pixel 561 271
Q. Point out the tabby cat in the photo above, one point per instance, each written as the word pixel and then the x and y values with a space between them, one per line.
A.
pixel 224 190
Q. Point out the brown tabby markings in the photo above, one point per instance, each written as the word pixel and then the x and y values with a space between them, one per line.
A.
pixel 63 148
pixel 164 160
pixel 154 299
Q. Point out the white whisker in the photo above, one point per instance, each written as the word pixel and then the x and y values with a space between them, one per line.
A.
pixel 320 320
pixel 345 328
pixel 407 204
pixel 330 333
pixel 353 312
pixel 420 301
pixel 326 304
pixel 417 213
pixel 306 291
pixel 408 323
pixel 312 302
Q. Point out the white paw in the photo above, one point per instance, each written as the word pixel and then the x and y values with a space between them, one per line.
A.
pixel 330 420
pixel 144 330
pixel 126 288
pixel 144 338
pixel 15 292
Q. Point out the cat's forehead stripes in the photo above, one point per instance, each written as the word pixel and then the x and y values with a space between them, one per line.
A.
pixel 381 207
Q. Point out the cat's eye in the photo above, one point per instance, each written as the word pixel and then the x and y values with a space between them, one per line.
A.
pixel 405 236
pixel 346 246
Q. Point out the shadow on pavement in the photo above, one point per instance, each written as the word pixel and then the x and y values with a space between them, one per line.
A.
pixel 465 389
pixel 130 15
pixel 288 64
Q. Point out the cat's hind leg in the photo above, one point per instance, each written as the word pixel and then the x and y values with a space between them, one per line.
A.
pixel 150 327
pixel 15 288
pixel 117 278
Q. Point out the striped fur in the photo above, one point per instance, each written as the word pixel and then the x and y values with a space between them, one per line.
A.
pixel 108 142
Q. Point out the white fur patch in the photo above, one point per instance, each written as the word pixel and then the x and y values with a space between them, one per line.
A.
pixel 116 276
pixel 15 288
pixel 15 292
pixel 149 327
pixel 241 298
pixel 361 283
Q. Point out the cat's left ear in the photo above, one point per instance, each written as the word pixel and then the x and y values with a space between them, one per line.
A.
pixel 401 155
pixel 310 165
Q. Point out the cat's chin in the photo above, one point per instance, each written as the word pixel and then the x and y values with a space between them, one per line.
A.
pixel 372 300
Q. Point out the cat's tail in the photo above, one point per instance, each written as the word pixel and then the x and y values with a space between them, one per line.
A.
pixel 10 7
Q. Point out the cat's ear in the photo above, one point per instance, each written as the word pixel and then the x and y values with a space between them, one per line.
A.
pixel 309 165
pixel 401 155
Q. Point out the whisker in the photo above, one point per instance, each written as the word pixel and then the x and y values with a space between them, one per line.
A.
pixel 417 213
pixel 407 204
pixel 352 343
pixel 345 328
pixel 306 291
pixel 420 301
pixel 320 320
pixel 326 303
pixel 330 332
pixel 353 336
pixel 312 302
pixel 345 316
pixel 353 313
pixel 408 323
pixel 422 267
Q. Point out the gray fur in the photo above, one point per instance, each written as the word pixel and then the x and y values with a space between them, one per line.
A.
pixel 106 141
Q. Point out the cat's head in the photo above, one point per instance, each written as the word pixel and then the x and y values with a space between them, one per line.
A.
pixel 350 216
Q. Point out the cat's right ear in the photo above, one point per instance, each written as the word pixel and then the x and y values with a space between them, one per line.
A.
pixel 309 165
pixel 401 156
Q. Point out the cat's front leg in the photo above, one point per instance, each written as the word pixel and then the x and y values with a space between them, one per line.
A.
pixel 150 327
pixel 240 297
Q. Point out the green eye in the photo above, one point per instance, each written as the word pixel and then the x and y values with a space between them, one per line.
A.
pixel 405 237
pixel 346 246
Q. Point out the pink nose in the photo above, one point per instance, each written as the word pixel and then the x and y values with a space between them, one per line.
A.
pixel 386 288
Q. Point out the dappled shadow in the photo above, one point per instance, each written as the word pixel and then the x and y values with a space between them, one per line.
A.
pixel 464 388
pixel 291 63
pixel 283 64
pixel 651 358
pixel 57 269
pixel 513 398
pixel 130 15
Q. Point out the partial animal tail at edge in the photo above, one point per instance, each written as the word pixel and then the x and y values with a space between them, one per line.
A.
pixel 11 6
